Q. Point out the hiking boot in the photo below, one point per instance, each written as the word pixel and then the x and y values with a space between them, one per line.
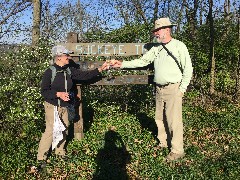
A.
pixel 31 169
pixel 42 164
pixel 173 156
pixel 62 157
pixel 160 147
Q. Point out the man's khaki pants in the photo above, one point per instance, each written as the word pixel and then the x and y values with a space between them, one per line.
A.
pixel 47 136
pixel 168 117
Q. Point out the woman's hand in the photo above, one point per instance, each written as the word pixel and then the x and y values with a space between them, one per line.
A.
pixel 63 95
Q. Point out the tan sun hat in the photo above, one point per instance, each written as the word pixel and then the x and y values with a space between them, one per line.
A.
pixel 162 23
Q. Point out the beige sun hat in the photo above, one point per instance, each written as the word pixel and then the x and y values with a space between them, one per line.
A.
pixel 162 23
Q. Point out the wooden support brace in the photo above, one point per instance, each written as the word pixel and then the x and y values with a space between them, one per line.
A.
pixel 78 125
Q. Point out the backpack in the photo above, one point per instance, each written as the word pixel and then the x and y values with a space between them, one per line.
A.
pixel 54 72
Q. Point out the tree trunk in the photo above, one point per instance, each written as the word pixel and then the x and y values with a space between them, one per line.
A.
pixel 169 8
pixel 191 15
pixel 227 9
pixel 47 20
pixel 227 18
pixel 155 14
pixel 163 8
pixel 80 20
pixel 36 21
pixel 201 13
pixel 155 17
pixel 139 11
pixel 212 78
pixel 212 59
pixel 180 17
pixel 237 90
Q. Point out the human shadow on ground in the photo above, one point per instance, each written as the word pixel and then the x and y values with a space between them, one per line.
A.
pixel 112 158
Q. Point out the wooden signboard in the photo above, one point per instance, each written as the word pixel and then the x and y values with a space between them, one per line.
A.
pixel 146 78
pixel 105 49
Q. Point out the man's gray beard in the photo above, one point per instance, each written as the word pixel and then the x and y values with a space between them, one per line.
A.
pixel 159 40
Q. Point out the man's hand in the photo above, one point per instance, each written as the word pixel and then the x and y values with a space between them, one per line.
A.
pixel 104 67
pixel 63 95
pixel 115 63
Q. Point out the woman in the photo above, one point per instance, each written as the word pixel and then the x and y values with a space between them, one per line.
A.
pixel 57 93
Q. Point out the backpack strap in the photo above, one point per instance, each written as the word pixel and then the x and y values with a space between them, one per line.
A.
pixel 148 46
pixel 175 59
pixel 54 72
pixel 69 71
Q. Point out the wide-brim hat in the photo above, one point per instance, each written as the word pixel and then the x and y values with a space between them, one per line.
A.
pixel 60 50
pixel 162 23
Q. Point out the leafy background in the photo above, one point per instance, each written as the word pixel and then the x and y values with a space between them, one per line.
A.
pixel 119 127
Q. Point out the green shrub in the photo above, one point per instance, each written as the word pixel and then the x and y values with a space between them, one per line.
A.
pixel 120 131
pixel 21 106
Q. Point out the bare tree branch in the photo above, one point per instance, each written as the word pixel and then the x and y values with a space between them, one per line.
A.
pixel 140 10
pixel 16 10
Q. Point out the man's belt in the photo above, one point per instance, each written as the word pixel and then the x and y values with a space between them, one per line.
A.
pixel 164 85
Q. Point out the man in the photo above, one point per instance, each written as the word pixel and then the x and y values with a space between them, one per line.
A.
pixel 57 94
pixel 172 78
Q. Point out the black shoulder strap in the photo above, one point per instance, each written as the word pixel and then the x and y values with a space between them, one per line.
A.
pixel 180 67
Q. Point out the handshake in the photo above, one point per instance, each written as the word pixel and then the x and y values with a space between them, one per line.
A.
pixel 110 64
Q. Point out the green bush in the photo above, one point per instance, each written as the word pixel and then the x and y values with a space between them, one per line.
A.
pixel 119 129
pixel 21 107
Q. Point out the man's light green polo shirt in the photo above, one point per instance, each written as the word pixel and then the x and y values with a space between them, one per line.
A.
pixel 165 68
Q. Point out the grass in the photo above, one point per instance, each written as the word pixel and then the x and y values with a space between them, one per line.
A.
pixel 119 145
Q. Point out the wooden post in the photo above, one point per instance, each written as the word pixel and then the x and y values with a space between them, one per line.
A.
pixel 78 124
pixel 72 37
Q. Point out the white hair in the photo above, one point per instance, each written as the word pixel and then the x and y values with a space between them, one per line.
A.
pixel 53 60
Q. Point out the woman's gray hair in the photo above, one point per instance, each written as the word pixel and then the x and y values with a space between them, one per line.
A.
pixel 53 60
